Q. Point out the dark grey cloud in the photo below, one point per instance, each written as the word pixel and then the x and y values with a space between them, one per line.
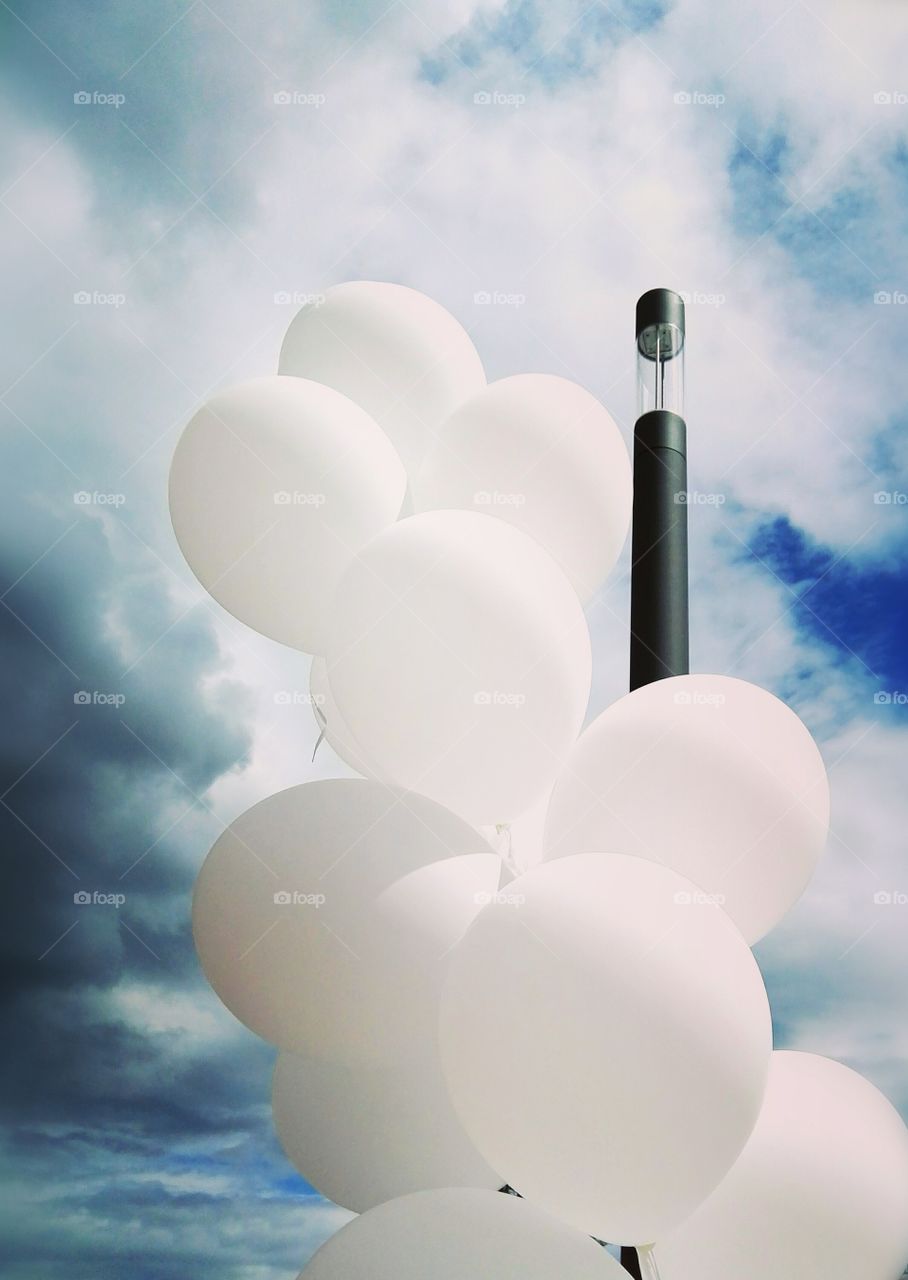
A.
pixel 91 1097
pixel 179 68
pixel 136 1109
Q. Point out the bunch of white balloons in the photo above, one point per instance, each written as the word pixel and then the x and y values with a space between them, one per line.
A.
pixel 586 1024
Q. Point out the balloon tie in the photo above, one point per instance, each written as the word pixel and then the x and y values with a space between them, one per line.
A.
pixel 323 728
pixel 646 1259
pixel 507 853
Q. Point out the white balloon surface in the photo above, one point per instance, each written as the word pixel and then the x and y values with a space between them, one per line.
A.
pixel 460 1234
pixel 459 657
pixel 323 914
pixel 707 774
pixel 519 844
pixel 545 455
pixel 274 485
pixel 363 1134
pixel 394 351
pixel 819 1192
pixel 606 1038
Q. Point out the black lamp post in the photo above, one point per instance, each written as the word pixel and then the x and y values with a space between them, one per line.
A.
pixel 659 620
pixel 659 625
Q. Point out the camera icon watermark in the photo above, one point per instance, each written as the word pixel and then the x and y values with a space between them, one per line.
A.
pixel 94 298
pixel 95 499
pixel 498 298
pixel 294 298
pixel 283 498
pixel 890 898
pixel 890 698
pixel 697 98
pixel 890 298
pixel 499 898
pixel 95 98
pixel 96 698
pixel 296 98
pixel 696 898
pixel 693 498
pixel 690 698
pixel 298 698
pixel 890 97
pixel 82 898
pixel 496 498
pixel 496 98
pixel 295 898
pixel 498 698
pixel 698 299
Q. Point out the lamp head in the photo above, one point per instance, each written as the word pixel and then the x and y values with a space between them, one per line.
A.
pixel 660 351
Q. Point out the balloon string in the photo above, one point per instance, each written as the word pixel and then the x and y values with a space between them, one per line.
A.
pixel 323 727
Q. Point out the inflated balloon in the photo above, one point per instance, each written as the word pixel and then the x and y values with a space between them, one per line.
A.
pixel 322 916
pixel 363 1134
pixel 274 485
pixel 820 1192
pixel 624 1019
pixel 519 844
pixel 332 725
pixel 459 657
pixel 460 1234
pixel 709 775
pixel 545 455
pixel 394 351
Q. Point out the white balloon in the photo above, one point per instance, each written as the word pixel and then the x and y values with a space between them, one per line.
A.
pixel 362 1134
pixel 627 1023
pixel 332 724
pixel 459 657
pixel 709 775
pixel 322 916
pixel 518 844
pixel 460 1234
pixel 820 1192
pixel 274 485
pixel 394 351
pixel 545 455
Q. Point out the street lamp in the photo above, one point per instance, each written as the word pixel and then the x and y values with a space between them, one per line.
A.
pixel 659 617
pixel 659 621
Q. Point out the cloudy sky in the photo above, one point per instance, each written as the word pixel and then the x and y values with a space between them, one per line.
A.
pixel 156 200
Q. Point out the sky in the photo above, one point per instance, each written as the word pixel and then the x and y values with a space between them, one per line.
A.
pixel 161 200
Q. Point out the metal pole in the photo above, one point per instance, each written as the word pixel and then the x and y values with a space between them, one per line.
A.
pixel 630 1261
pixel 659 618
pixel 659 606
